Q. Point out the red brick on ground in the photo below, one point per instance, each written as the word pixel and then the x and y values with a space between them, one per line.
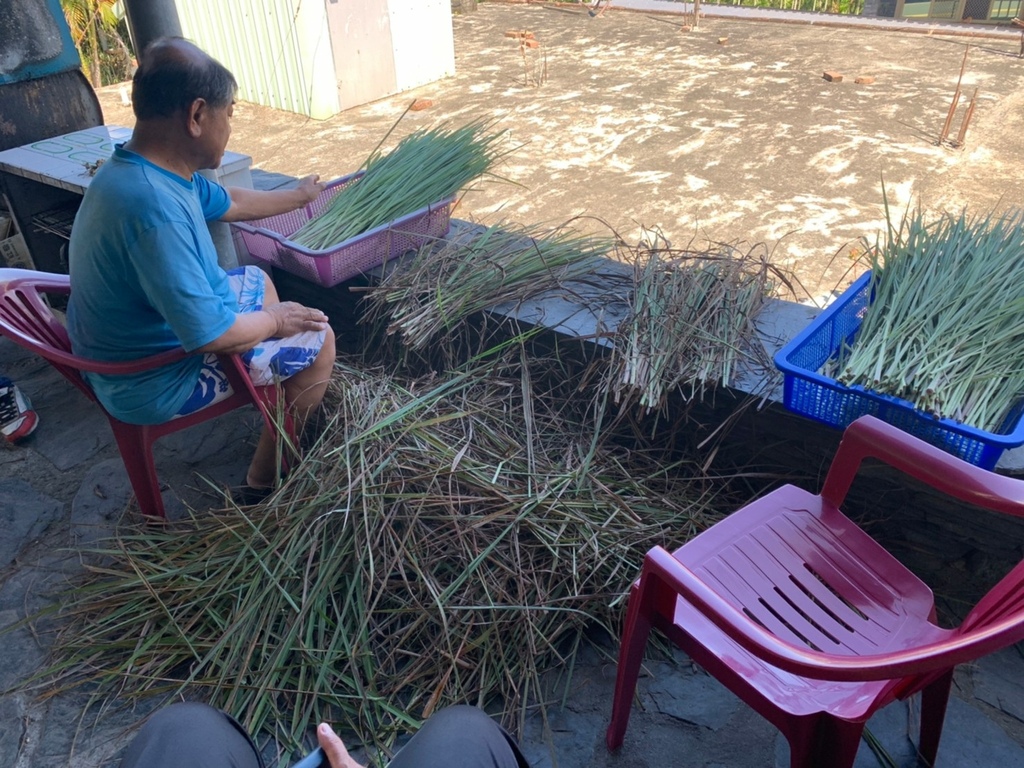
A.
pixel 833 77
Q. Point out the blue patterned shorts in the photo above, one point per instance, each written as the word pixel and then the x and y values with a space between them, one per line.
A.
pixel 268 362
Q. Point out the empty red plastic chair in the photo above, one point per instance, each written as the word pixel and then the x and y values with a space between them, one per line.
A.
pixel 26 319
pixel 810 621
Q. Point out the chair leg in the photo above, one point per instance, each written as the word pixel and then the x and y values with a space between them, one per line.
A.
pixel 631 655
pixel 136 449
pixel 934 699
pixel 828 743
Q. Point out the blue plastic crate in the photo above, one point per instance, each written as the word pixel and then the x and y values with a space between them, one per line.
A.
pixel 807 392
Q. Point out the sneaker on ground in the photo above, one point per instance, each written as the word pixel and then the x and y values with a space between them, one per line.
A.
pixel 17 419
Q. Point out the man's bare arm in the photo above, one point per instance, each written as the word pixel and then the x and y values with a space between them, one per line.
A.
pixel 247 204
pixel 250 328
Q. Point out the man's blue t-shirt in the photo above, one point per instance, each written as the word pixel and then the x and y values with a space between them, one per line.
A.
pixel 144 280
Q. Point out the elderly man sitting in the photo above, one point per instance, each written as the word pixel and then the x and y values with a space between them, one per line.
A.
pixel 144 271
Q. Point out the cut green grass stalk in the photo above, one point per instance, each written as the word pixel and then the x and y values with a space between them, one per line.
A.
pixel 945 329
pixel 476 268
pixel 426 167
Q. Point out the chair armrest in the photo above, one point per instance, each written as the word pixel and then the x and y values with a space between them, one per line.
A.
pixel 51 349
pixel 869 437
pixel 660 564
pixel 49 339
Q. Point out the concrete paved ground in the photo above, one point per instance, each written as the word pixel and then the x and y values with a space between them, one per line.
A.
pixel 637 122
pixel 66 488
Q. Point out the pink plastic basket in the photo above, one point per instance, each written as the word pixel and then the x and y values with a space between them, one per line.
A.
pixel 267 239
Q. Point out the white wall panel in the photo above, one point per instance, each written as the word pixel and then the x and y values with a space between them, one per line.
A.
pixel 317 57
pixel 421 36
pixel 364 65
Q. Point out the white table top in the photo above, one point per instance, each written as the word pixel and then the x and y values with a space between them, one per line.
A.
pixel 62 161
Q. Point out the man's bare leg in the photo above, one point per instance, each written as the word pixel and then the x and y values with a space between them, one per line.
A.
pixel 303 392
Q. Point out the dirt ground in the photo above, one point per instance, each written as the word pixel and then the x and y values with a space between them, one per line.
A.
pixel 630 120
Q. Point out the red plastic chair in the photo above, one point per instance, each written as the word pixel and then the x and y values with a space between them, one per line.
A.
pixel 27 319
pixel 808 620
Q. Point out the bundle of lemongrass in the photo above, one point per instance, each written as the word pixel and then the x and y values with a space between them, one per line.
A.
pixel 692 320
pixel 945 328
pixel 426 167
pixel 476 268
pixel 447 540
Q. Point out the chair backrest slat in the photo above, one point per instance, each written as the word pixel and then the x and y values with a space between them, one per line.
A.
pixel 28 314
pixel 27 319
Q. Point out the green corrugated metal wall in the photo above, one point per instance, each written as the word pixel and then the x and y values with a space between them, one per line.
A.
pixel 271 46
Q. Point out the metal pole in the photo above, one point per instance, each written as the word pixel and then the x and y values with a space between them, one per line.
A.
pixel 150 19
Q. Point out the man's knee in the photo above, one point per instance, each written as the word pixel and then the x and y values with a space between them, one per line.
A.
pixel 309 384
pixel 193 734
pixel 323 364
pixel 328 352
pixel 459 737
pixel 461 717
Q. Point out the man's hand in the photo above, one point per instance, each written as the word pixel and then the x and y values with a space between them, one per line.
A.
pixel 310 187
pixel 274 321
pixel 292 317
pixel 334 748
pixel 248 204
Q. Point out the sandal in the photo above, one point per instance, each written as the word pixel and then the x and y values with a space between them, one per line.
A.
pixel 250 496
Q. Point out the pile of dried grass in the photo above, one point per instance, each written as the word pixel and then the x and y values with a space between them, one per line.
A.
pixel 446 540
pixel 692 311
pixel 474 268
pixel 692 321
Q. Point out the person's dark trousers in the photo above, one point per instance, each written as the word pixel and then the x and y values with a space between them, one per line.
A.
pixel 198 736
pixel 191 735
pixel 460 737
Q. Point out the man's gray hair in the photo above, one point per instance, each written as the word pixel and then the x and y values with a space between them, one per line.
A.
pixel 173 73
